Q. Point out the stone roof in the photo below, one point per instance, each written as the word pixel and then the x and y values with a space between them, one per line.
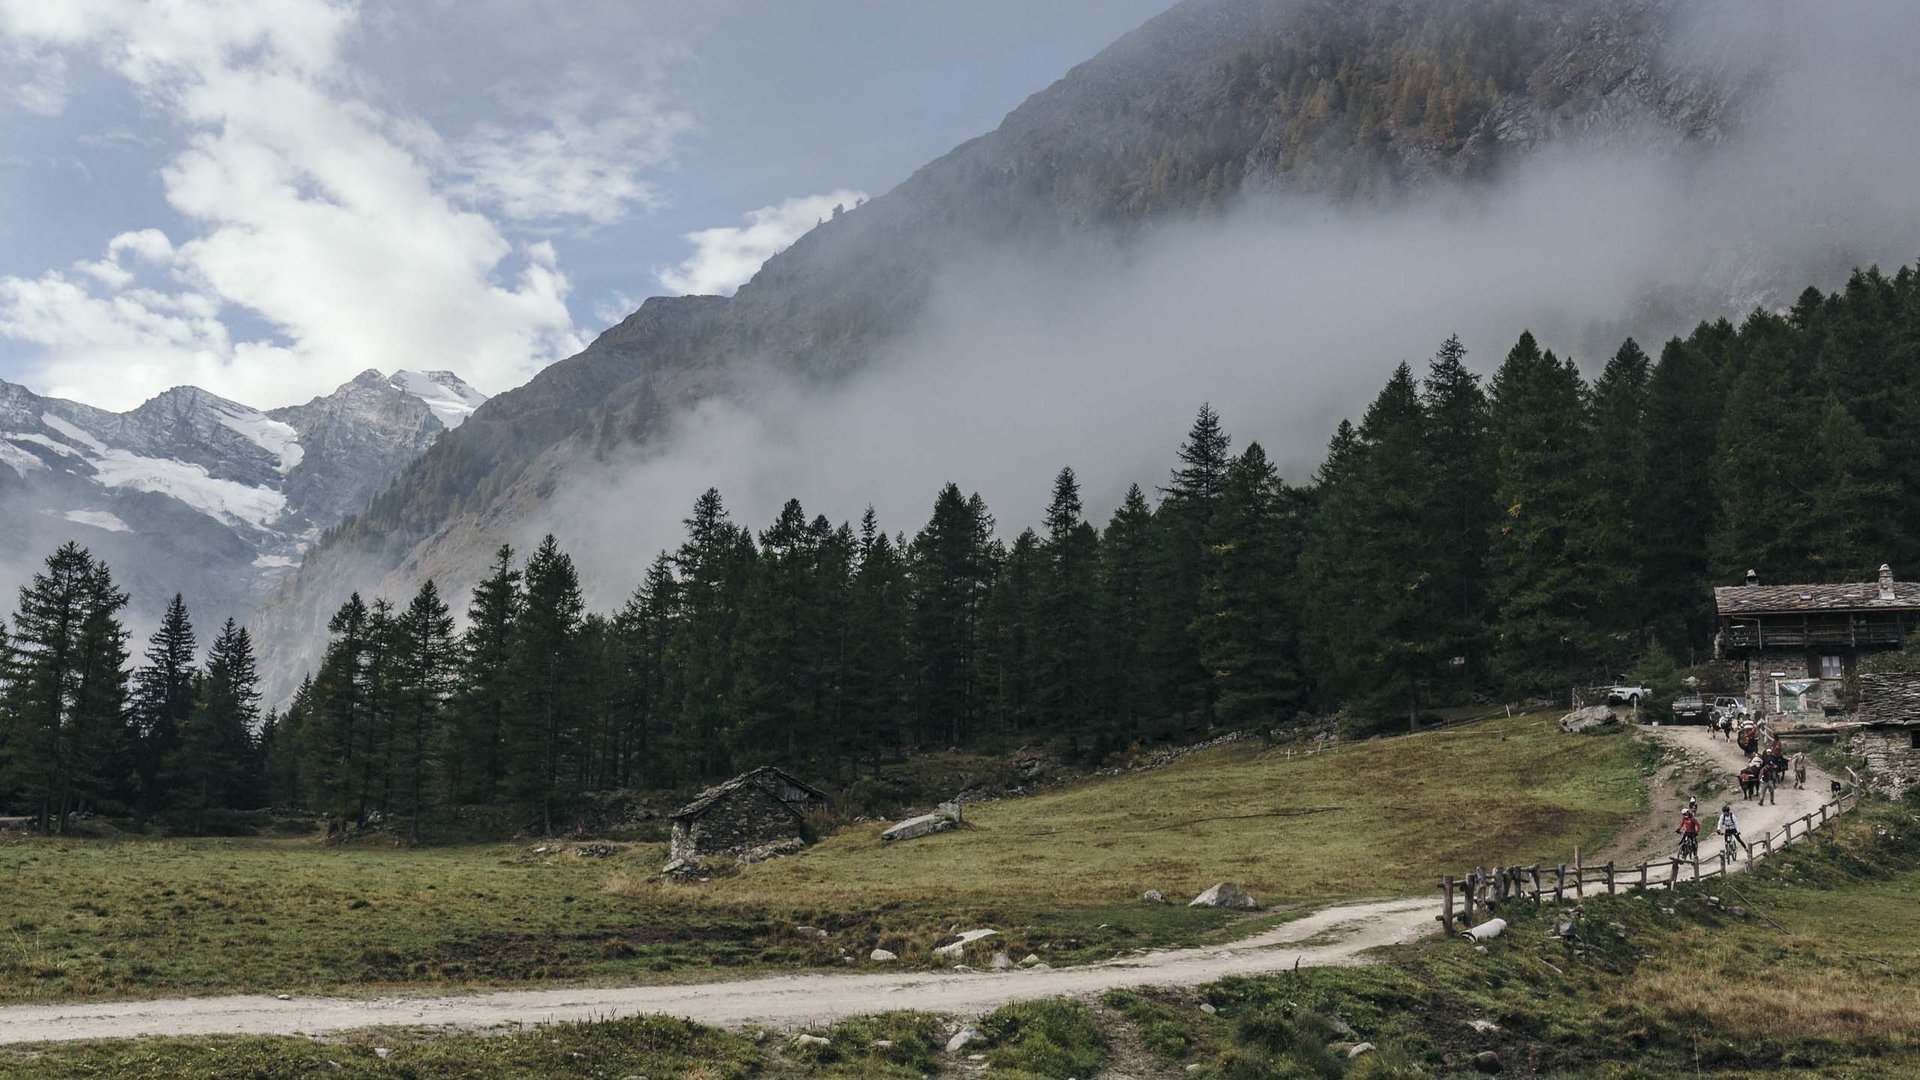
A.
pixel 1798 599
pixel 1891 697
pixel 703 801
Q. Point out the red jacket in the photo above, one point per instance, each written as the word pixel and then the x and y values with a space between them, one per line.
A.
pixel 1690 826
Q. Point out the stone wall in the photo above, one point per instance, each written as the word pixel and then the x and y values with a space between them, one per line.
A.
pixel 1893 759
pixel 1794 664
pixel 746 817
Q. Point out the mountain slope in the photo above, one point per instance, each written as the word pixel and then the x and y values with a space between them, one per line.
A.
pixel 194 493
pixel 1215 100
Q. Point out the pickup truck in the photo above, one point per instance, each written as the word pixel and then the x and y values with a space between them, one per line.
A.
pixel 1691 709
pixel 1626 693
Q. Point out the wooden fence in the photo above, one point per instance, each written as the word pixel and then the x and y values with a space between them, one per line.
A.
pixel 1482 892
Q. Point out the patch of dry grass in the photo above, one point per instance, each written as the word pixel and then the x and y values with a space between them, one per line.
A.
pixel 1372 818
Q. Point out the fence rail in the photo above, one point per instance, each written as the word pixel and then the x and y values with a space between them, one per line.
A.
pixel 1482 892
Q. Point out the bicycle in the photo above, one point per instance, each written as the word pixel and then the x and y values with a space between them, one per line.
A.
pixel 1690 846
pixel 1733 845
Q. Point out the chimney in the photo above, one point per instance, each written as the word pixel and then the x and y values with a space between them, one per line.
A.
pixel 1753 577
pixel 1886 582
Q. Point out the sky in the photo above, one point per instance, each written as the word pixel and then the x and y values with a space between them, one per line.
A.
pixel 265 197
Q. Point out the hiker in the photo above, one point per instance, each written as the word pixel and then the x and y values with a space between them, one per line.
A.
pixel 1768 777
pixel 1799 770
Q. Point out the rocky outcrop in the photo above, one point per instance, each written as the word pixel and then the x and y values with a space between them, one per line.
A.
pixel 1588 718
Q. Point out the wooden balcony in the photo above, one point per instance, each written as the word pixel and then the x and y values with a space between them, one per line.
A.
pixel 1815 631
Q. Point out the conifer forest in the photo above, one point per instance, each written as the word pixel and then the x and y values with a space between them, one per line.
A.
pixel 1464 539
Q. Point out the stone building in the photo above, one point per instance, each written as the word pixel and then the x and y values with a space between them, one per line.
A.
pixel 1889 732
pixel 1799 643
pixel 754 809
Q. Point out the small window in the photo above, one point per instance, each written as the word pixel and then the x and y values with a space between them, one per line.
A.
pixel 1833 667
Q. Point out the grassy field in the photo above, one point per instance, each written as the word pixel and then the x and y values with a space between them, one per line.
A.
pixel 1059 873
pixel 1803 970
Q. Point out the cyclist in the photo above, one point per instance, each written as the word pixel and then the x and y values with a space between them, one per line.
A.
pixel 1730 828
pixel 1689 831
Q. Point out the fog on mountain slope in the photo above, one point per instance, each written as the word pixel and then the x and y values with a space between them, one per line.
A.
pixel 1250 202
pixel 194 493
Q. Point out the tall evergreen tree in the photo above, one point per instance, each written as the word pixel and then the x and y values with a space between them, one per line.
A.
pixel 1682 425
pixel 163 697
pixel 1619 477
pixel 65 705
pixel 425 655
pixel 953 568
pixel 1126 551
pixel 1247 634
pixel 481 701
pixel 1459 508
pixel 1066 660
pixel 1545 602
pixel 1183 689
pixel 545 671
pixel 876 671
pixel 213 767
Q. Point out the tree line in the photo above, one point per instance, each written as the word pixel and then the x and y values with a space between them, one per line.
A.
pixel 1463 540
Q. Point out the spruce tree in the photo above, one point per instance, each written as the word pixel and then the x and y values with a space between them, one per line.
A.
pixel 1619 476
pixel 1544 597
pixel 1183 690
pixel 545 681
pixel 1247 635
pixel 1762 480
pixel 425 655
pixel 212 767
pixel 1682 432
pixel 480 703
pixel 1066 657
pixel 953 567
pixel 643 631
pixel 774 702
pixel 65 706
pixel 338 733
pixel 877 664
pixel 163 697
pixel 1126 550
pixel 1459 510
pixel 1848 525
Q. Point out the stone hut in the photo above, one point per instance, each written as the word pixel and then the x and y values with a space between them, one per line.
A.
pixel 1889 733
pixel 765 806
pixel 1799 643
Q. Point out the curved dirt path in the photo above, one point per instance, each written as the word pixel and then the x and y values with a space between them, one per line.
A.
pixel 1694 749
pixel 785 1000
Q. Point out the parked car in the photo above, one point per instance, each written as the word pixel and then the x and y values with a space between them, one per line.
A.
pixel 1731 707
pixel 1691 709
pixel 1626 693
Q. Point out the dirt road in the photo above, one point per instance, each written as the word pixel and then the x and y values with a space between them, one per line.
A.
pixel 1338 935
pixel 1697 752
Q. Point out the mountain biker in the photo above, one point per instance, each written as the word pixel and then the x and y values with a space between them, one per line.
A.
pixel 1689 832
pixel 1730 826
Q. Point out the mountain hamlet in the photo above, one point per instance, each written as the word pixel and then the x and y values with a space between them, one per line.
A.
pixel 196 494
pixel 1176 793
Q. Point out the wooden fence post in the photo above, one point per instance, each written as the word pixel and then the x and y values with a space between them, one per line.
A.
pixel 1673 874
pixel 1610 889
pixel 1466 913
pixel 1579 876
pixel 1446 905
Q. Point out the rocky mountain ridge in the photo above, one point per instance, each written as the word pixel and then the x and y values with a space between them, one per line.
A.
pixel 195 493
pixel 1213 103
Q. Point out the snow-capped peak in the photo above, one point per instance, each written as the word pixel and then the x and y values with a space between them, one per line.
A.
pixel 447 394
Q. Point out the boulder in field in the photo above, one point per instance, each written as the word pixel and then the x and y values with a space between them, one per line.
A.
pixel 1226 895
pixel 952 949
pixel 1592 716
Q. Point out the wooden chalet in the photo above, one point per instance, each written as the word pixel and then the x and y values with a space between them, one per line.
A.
pixel 1799 643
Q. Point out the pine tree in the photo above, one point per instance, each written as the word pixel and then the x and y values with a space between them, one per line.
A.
pixel 425 652
pixel 712 567
pixel 212 767
pixel 1183 690
pixel 479 706
pixel 1066 657
pixel 1619 475
pixel 163 697
pixel 953 566
pixel 1247 634
pixel 338 733
pixel 774 701
pixel 1544 598
pixel 1126 550
pixel 1847 521
pixel 65 705
pixel 644 630
pixel 1459 509
pixel 1682 425
pixel 1762 480
pixel 545 680
pixel 876 671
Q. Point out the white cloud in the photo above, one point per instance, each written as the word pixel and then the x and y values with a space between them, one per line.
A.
pixel 725 258
pixel 42 84
pixel 580 163
pixel 349 230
